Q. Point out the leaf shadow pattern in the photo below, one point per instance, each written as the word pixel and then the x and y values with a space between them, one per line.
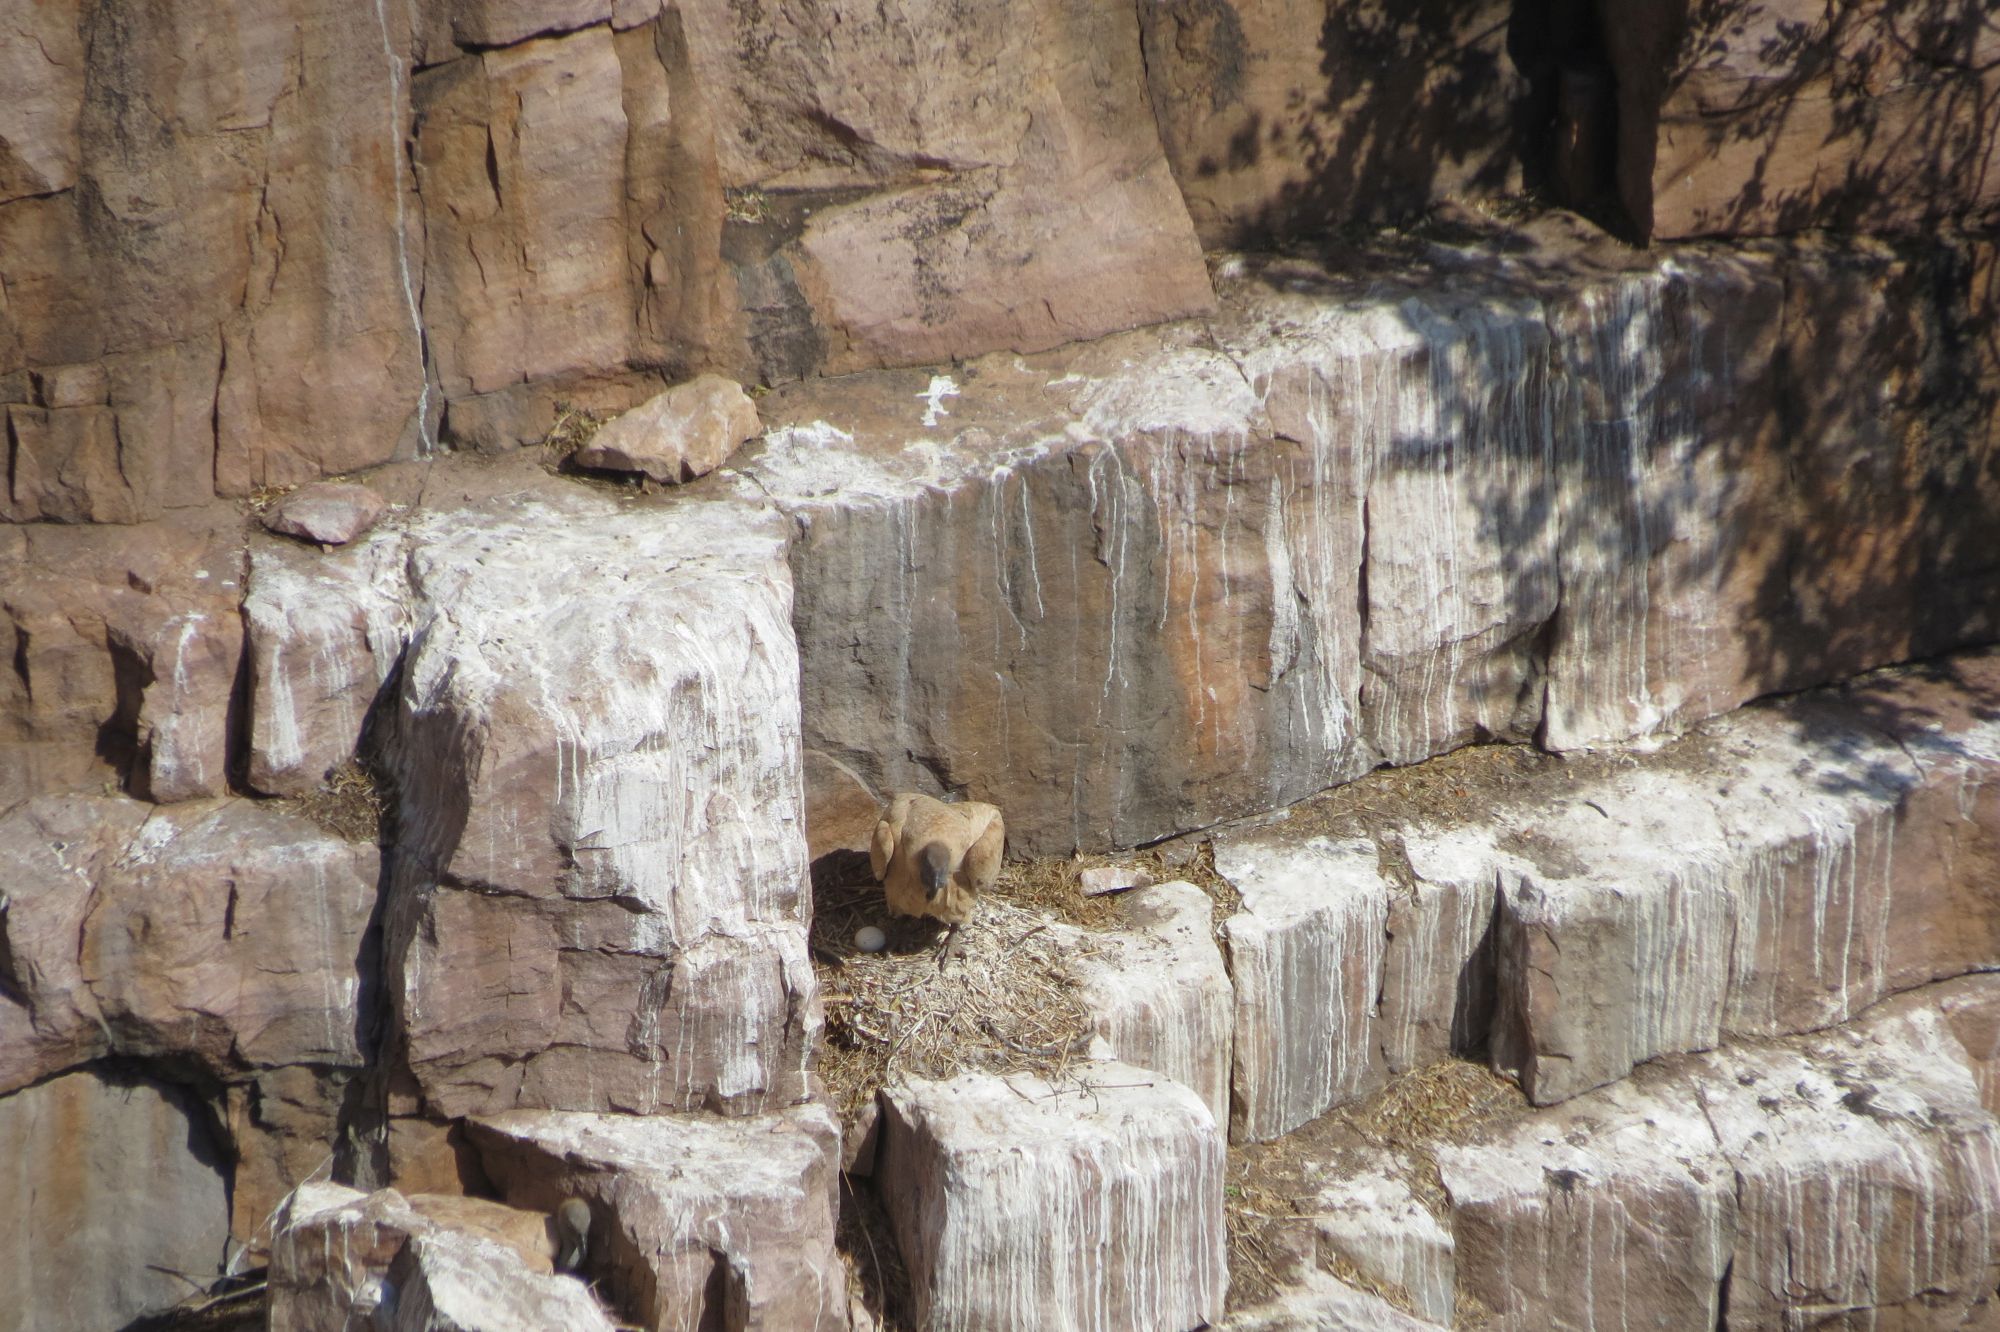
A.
pixel 1760 118
pixel 1663 485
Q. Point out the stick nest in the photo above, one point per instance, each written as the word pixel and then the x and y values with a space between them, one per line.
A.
pixel 1003 1001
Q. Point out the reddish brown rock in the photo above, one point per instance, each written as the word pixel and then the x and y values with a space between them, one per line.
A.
pixel 686 432
pixel 42 63
pixel 696 1220
pixel 598 901
pixel 1754 119
pixel 233 934
pixel 522 152
pixel 283 1126
pixel 934 182
pixel 428 1264
pixel 58 848
pixel 114 1200
pixel 216 932
pixel 328 513
pixel 124 643
pixel 1282 118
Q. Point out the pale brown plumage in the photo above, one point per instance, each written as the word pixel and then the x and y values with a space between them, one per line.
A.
pixel 935 859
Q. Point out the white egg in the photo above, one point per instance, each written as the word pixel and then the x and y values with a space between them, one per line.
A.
pixel 870 939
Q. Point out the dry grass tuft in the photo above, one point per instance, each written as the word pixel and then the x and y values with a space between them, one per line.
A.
pixel 1052 885
pixel 575 427
pixel 349 804
pixel 1433 1104
pixel 1002 1002
pixel 1275 1187
pixel 263 497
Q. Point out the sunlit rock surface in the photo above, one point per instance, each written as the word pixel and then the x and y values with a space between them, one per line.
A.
pixel 114 1199
pixel 1021 1204
pixel 1187 574
pixel 1158 992
pixel 1802 861
pixel 1851 1175
pixel 217 932
pixel 342 1258
pixel 598 898
pixel 324 635
pixel 697 1220
pixel 1305 955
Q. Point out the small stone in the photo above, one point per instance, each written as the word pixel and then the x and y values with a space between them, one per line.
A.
pixel 679 435
pixel 331 513
pixel 870 939
pixel 1103 879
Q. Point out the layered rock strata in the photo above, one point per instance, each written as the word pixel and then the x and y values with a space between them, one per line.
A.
pixel 1202 571
pixel 1777 871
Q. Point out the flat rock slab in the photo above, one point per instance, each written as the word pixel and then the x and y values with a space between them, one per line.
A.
pixel 1020 1204
pixel 341 1258
pixel 1158 991
pixel 113 1201
pixel 326 513
pixel 697 1220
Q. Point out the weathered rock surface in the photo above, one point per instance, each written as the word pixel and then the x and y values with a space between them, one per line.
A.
pixel 1372 1220
pixel 686 432
pixel 1317 1302
pixel 1587 521
pixel 1017 1204
pixel 126 645
pixel 1305 957
pixel 1749 119
pixel 329 513
pixel 598 901
pixel 284 1129
pixel 417 1264
pixel 114 1199
pixel 930 182
pixel 1282 118
pixel 1617 1210
pixel 1854 1175
pixel 324 637
pixel 1830 849
pixel 1778 871
pixel 1158 991
pixel 220 932
pixel 698 1221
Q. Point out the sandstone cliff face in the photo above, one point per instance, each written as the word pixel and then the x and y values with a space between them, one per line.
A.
pixel 462 844
pixel 1739 119
pixel 302 240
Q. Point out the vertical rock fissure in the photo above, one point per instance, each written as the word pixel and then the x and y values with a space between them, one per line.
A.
pixel 425 444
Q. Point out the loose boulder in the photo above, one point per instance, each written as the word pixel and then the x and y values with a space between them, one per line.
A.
pixel 683 433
